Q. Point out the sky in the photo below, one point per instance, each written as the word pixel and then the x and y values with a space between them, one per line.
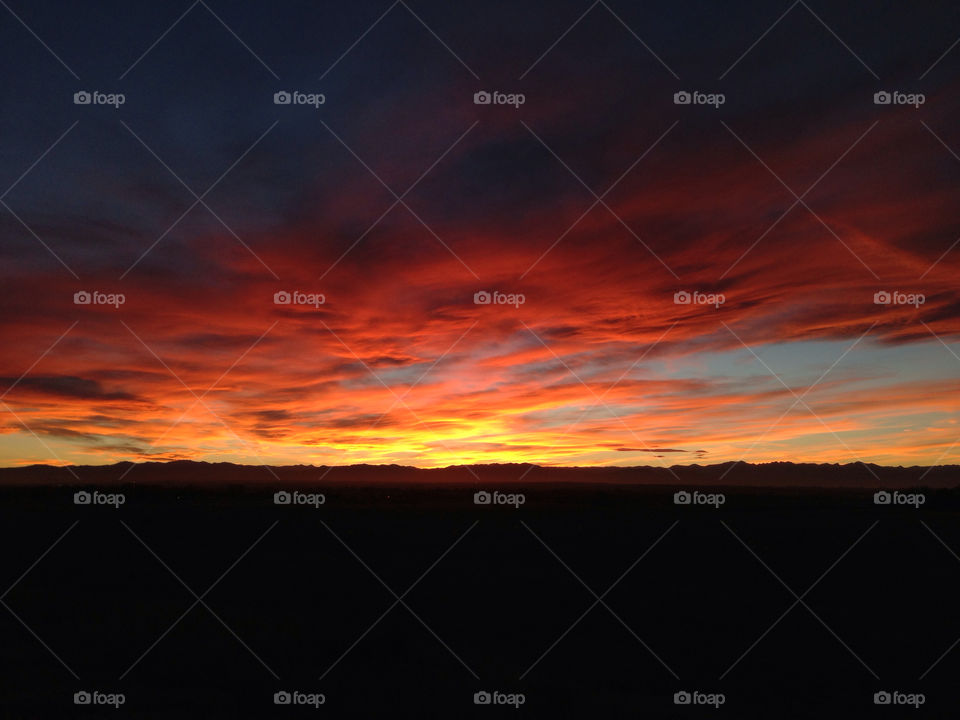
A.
pixel 772 277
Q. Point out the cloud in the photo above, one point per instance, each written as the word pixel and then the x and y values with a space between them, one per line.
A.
pixel 399 363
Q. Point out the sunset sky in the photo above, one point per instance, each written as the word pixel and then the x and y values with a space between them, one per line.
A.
pixel 398 199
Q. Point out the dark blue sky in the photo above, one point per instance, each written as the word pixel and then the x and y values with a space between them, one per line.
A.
pixel 701 198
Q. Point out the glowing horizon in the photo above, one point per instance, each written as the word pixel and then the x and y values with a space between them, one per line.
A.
pixel 603 275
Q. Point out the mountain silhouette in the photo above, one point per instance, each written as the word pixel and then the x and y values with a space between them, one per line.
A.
pixel 782 475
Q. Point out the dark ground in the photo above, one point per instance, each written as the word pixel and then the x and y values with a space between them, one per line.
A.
pixel 498 600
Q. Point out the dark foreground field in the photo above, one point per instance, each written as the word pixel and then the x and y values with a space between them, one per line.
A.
pixel 399 597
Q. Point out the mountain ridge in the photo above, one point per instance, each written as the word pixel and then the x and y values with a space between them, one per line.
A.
pixel 202 473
